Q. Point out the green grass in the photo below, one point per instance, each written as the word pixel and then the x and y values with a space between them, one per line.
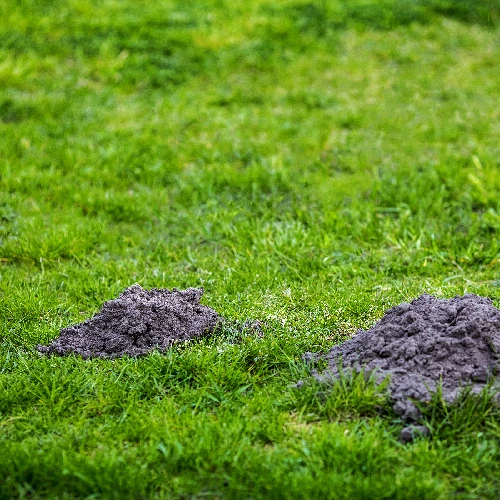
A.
pixel 311 164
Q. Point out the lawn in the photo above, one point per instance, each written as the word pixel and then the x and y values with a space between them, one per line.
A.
pixel 310 164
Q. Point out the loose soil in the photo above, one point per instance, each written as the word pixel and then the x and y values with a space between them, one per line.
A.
pixel 137 322
pixel 419 345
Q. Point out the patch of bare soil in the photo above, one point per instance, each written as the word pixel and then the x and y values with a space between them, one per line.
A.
pixel 137 322
pixel 453 342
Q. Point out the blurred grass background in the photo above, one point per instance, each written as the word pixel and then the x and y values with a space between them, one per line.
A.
pixel 310 164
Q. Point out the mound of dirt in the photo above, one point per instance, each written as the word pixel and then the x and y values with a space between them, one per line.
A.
pixel 137 322
pixel 430 341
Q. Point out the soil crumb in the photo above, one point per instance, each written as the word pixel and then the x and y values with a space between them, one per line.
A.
pixel 408 434
pixel 429 341
pixel 137 322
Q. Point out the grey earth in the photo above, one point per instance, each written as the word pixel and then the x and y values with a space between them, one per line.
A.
pixel 408 434
pixel 454 342
pixel 137 322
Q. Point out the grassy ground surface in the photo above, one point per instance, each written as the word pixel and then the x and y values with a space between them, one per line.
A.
pixel 310 164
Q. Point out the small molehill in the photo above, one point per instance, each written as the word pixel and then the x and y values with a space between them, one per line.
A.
pixel 137 322
pixel 429 341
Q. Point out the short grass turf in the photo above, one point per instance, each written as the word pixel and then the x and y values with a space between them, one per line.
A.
pixel 311 164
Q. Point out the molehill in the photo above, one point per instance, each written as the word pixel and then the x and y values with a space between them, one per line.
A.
pixel 455 342
pixel 137 322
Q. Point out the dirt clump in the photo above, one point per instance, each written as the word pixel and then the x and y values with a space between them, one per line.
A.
pixel 408 434
pixel 137 322
pixel 454 342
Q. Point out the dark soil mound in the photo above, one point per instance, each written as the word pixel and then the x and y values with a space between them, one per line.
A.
pixel 419 345
pixel 137 322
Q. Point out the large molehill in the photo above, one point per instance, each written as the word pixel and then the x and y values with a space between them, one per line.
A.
pixel 454 342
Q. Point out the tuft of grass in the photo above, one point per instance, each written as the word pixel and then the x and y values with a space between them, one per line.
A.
pixel 353 395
